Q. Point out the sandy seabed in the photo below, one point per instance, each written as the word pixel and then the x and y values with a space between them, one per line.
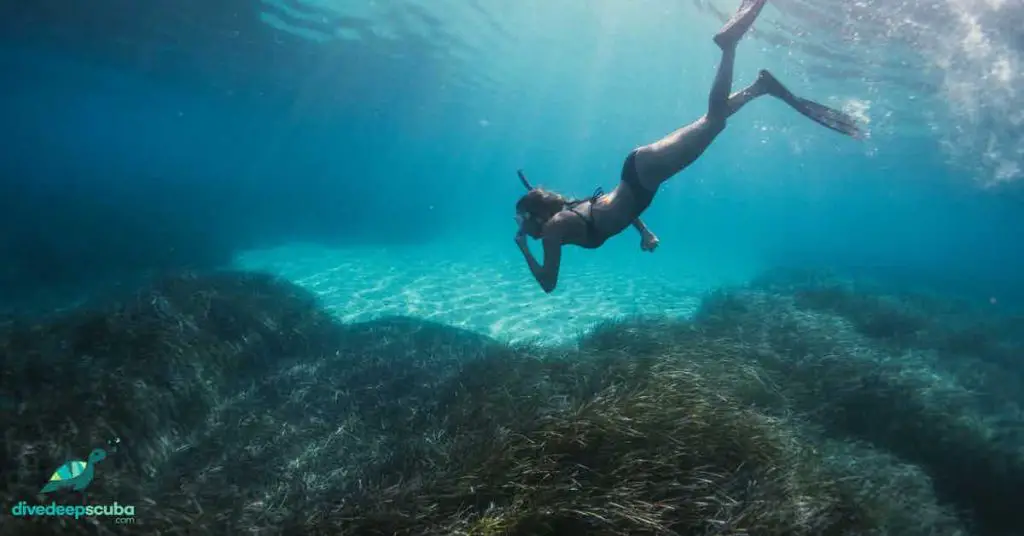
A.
pixel 488 291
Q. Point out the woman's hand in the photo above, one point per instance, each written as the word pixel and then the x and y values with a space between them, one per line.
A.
pixel 649 242
pixel 521 239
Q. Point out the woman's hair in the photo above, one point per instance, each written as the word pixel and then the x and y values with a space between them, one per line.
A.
pixel 541 203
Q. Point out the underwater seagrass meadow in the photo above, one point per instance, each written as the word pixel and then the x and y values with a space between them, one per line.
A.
pixel 258 276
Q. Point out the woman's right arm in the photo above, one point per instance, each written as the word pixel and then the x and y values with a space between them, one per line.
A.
pixel 546 274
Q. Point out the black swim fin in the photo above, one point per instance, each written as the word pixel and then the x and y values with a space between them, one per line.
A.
pixel 829 117
pixel 823 115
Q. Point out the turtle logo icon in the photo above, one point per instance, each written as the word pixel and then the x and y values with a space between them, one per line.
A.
pixel 77 474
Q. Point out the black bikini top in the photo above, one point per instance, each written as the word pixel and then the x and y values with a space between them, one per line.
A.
pixel 594 237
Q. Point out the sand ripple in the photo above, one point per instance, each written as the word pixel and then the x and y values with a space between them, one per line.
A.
pixel 490 293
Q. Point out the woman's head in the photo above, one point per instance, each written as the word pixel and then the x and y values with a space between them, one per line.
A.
pixel 537 207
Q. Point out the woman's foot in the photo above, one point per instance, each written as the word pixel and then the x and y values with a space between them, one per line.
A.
pixel 771 85
pixel 741 21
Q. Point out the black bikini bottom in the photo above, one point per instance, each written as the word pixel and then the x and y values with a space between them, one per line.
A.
pixel 642 195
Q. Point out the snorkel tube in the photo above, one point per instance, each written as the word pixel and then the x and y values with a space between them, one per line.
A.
pixel 520 220
pixel 522 179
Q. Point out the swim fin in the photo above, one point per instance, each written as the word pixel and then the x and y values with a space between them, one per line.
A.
pixel 823 115
pixel 829 117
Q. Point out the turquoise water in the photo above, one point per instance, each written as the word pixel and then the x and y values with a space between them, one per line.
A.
pixel 827 340
pixel 368 149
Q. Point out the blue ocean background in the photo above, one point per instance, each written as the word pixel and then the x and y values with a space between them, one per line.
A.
pixel 142 138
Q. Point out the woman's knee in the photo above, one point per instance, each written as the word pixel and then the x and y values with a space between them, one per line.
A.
pixel 715 121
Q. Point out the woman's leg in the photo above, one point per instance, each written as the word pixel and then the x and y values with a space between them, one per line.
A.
pixel 664 158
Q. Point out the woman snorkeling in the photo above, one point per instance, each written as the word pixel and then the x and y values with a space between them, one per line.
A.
pixel 588 223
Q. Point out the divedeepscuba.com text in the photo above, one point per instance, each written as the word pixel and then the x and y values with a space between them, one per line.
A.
pixel 123 513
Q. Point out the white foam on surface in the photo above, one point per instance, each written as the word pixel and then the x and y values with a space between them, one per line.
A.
pixel 487 291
